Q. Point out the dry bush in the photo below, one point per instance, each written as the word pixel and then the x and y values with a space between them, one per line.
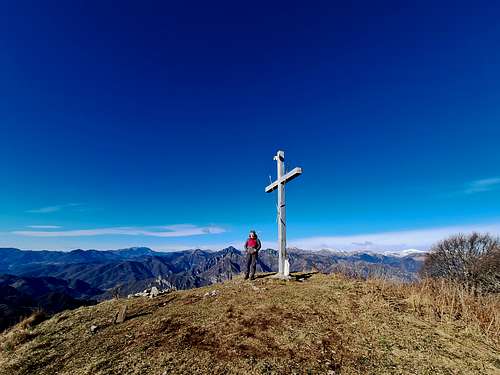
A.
pixel 22 332
pixel 34 319
pixel 471 260
pixel 14 337
pixel 444 300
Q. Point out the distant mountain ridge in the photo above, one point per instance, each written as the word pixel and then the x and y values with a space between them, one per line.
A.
pixel 133 268
pixel 12 259
pixel 19 296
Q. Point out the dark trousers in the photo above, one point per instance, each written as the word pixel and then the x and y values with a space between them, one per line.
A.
pixel 251 265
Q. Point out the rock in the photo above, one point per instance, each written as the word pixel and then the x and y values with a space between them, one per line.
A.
pixel 213 293
pixel 93 328
pixel 154 292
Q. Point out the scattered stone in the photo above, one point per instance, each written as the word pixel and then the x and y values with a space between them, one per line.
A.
pixel 153 291
pixel 213 293
pixel 93 328
pixel 255 288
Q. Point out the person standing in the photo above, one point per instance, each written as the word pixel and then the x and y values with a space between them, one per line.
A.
pixel 252 247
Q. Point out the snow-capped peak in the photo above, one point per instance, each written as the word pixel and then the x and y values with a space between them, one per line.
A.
pixel 406 252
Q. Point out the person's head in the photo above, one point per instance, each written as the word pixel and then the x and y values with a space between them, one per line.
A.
pixel 252 234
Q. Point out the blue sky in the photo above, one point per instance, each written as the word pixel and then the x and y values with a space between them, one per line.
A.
pixel 155 124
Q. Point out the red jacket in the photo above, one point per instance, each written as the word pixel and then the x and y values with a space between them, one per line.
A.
pixel 253 242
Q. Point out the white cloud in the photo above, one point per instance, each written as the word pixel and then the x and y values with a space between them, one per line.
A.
pixel 44 226
pixel 183 230
pixel 45 210
pixel 55 208
pixel 421 239
pixel 483 185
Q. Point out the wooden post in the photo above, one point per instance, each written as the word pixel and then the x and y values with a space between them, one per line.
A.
pixel 121 315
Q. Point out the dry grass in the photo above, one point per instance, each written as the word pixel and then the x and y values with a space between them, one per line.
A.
pixel 22 332
pixel 324 325
pixel 33 320
pixel 445 301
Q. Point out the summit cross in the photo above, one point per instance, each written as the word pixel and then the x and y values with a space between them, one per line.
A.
pixel 283 264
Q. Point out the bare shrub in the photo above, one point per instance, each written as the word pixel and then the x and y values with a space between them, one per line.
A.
pixel 34 319
pixel 116 291
pixel 471 260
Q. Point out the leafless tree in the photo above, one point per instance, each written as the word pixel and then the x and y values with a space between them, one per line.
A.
pixel 472 260
pixel 116 291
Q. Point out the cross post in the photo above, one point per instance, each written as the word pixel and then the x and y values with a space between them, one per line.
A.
pixel 279 184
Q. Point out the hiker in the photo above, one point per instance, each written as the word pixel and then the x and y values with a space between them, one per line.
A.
pixel 252 247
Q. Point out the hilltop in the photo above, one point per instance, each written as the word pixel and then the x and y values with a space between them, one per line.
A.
pixel 316 324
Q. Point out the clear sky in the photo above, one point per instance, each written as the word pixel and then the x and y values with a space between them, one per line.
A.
pixel 155 123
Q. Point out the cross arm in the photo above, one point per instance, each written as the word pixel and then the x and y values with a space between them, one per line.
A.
pixel 295 172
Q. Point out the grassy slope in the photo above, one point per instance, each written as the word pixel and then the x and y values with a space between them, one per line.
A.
pixel 326 324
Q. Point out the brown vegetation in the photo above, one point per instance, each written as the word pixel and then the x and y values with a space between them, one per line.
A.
pixel 471 260
pixel 445 301
pixel 324 324
pixel 34 319
pixel 22 332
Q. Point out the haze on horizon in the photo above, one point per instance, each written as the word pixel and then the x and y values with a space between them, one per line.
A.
pixel 155 125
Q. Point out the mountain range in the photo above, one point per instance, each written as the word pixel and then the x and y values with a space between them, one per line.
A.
pixel 20 296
